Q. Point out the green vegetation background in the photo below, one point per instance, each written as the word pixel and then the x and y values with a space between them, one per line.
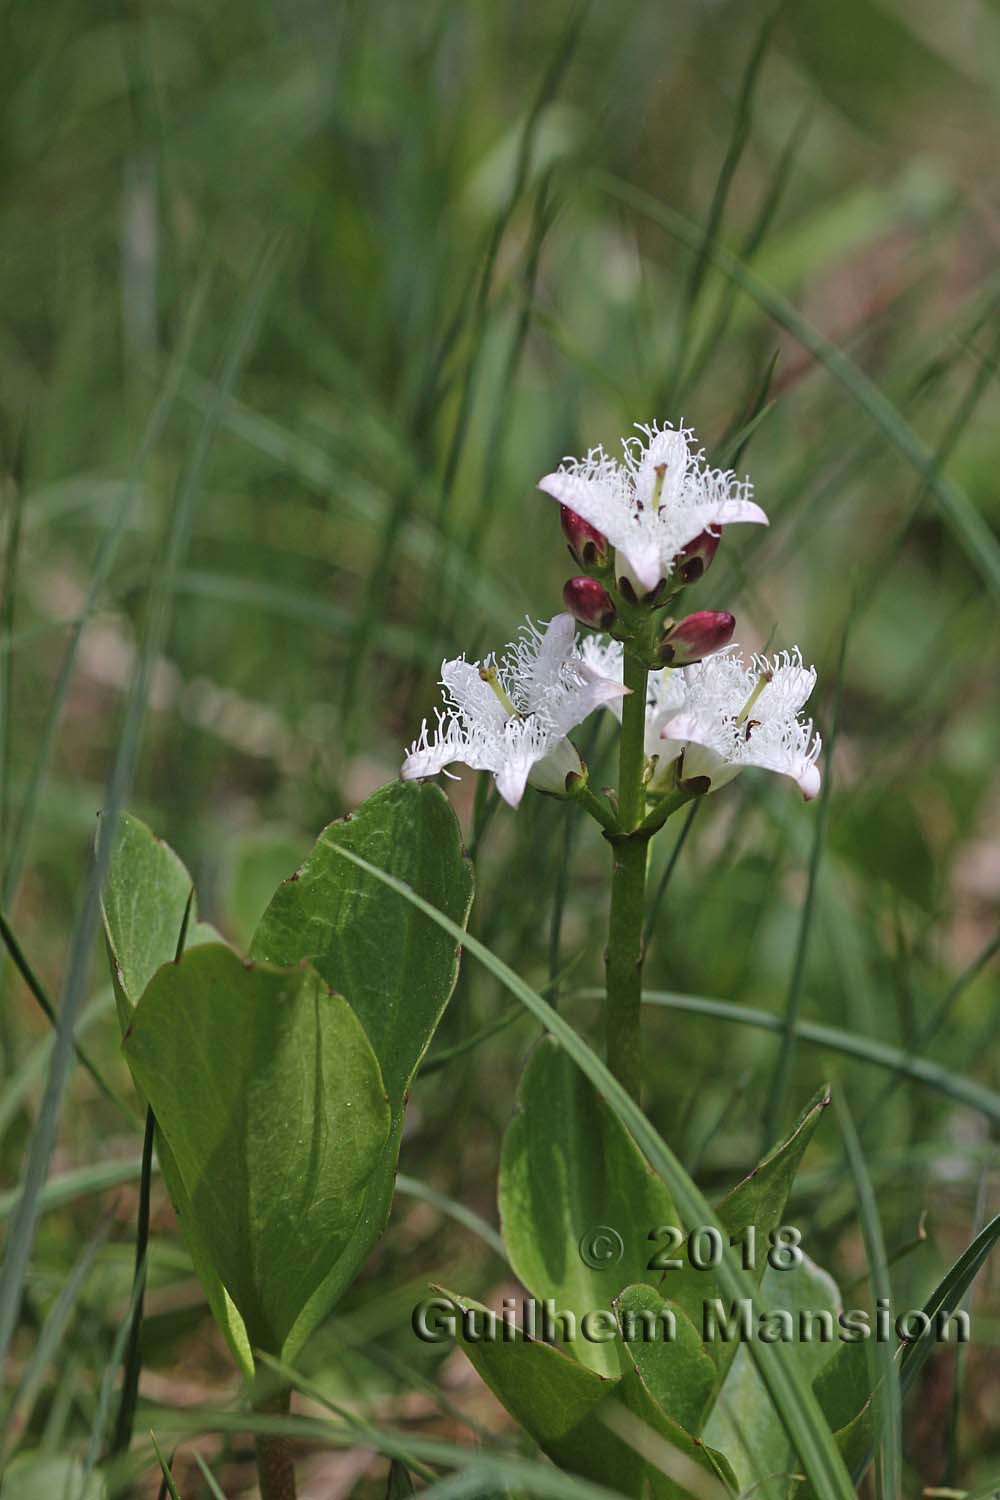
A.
pixel 298 300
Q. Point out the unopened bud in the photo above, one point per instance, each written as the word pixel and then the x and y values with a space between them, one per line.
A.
pixel 590 603
pixel 588 545
pixel 695 559
pixel 699 635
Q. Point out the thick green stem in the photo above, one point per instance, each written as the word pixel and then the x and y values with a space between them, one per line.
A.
pixel 275 1468
pixel 628 888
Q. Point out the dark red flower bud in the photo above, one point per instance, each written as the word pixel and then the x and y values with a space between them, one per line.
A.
pixel 588 545
pixel 589 603
pixel 696 558
pixel 697 636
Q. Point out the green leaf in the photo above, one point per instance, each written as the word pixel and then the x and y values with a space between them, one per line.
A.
pixel 574 1188
pixel 743 1422
pixel 270 1098
pixel 367 1228
pixel 676 1371
pixel 395 966
pixel 758 1202
pixel 143 902
pixel 580 1418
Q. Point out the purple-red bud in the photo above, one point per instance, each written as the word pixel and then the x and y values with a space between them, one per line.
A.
pixel 588 545
pixel 590 603
pixel 699 635
pixel 695 559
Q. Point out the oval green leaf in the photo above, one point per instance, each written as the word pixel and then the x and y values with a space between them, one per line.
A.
pixel 271 1101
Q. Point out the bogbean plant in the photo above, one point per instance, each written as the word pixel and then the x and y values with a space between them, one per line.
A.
pixel 277 1081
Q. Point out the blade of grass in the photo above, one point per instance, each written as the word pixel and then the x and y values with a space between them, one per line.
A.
pixel 732 445
pixel 299 1382
pixel 673 391
pixel 557 64
pixel 929 1030
pixel 881 568
pixel 69 1187
pixel 778 1093
pixel 795 1402
pixel 99 574
pixel 495 1472
pixel 448 1055
pixel 561 883
pixel 958 1387
pixel 125 1421
pixel 37 991
pixel 966 524
pixel 748 249
pixel 12 551
pixel 33 1064
pixel 503 408
pixel 168 1487
pixel 668 874
pixel 209 1478
pixel 372 614
pixel 261 595
pixel 882 1363
pixel 105 1391
pixel 21 1404
pixel 866 1049
pixel 946 1297
pixel 21 1238
pixel 414 1188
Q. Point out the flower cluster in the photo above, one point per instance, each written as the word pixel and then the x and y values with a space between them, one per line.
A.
pixel 642 529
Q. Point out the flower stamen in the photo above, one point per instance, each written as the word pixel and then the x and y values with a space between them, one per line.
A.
pixel 661 473
pixel 760 685
pixel 489 675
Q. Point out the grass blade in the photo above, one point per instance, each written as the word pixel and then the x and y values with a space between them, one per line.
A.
pixel 738 140
pixel 23 1399
pixel 866 1049
pixel 414 1188
pixel 778 1095
pixel 882 1364
pixel 99 574
pixel 37 991
pixel 209 1478
pixel 168 1487
pixel 125 1420
pixel 966 524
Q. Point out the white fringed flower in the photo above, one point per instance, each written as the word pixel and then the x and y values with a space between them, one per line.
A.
pixel 659 498
pixel 511 715
pixel 722 715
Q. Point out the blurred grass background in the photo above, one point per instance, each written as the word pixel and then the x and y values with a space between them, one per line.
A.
pixel 298 300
